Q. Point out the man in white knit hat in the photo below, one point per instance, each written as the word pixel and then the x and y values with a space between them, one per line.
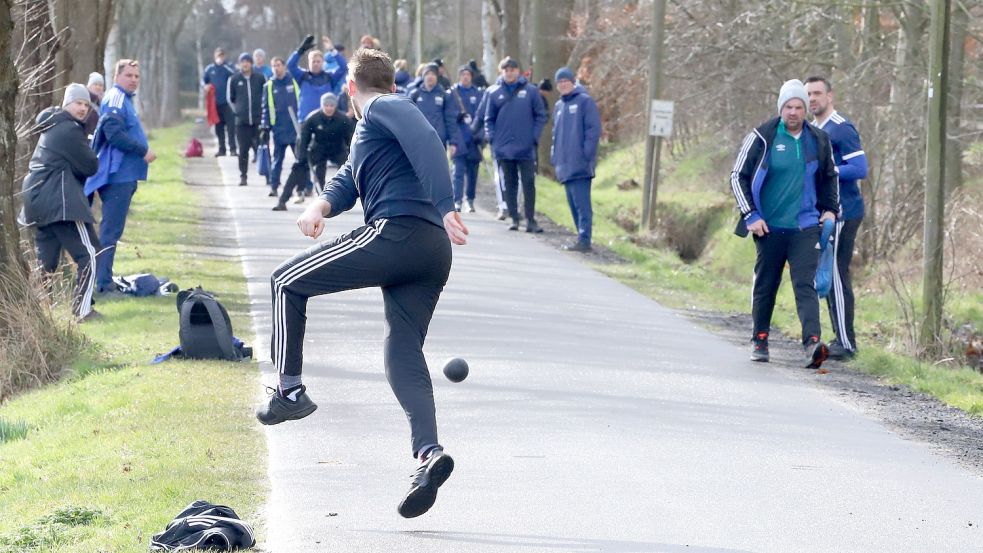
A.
pixel 96 87
pixel 785 184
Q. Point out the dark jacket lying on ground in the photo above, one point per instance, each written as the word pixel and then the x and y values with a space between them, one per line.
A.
pixel 61 162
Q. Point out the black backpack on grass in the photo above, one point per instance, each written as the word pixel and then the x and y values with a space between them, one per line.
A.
pixel 205 331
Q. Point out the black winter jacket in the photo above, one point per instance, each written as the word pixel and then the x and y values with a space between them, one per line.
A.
pixel 245 95
pixel 61 162
pixel 325 138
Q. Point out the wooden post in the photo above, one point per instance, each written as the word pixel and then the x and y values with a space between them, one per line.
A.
pixel 938 92
pixel 653 144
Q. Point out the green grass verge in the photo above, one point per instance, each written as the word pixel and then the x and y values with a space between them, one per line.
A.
pixel 130 443
pixel 720 280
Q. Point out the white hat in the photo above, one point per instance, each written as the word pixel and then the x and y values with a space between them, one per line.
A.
pixel 74 93
pixel 791 90
pixel 329 98
pixel 95 78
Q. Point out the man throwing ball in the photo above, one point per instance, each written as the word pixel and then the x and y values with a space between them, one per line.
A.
pixel 398 169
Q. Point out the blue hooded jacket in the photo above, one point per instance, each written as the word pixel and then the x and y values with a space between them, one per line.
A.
pixel 312 86
pixel 576 133
pixel 283 94
pixel 469 98
pixel 218 76
pixel 514 119
pixel 441 111
pixel 119 142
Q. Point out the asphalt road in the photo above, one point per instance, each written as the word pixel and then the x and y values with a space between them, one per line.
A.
pixel 593 420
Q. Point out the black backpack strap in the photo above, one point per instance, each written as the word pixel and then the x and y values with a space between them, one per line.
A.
pixel 223 330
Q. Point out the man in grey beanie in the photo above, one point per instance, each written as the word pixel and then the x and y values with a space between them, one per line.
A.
pixel 54 202
pixel 785 184
pixel 96 87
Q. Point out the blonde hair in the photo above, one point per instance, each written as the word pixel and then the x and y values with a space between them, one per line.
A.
pixel 421 68
pixel 312 53
pixel 400 65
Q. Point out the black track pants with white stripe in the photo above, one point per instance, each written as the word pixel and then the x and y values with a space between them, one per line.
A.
pixel 840 299
pixel 797 248
pixel 410 260
pixel 81 242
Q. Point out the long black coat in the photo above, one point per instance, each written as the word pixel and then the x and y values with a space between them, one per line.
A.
pixel 62 160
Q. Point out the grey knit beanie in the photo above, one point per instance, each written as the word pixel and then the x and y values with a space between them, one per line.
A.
pixel 75 92
pixel 791 90
pixel 95 78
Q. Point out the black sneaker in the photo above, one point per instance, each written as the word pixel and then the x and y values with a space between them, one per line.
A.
pixel 838 352
pixel 242 180
pixel 759 352
pixel 576 247
pixel 92 315
pixel 272 193
pixel 281 409
pixel 533 227
pixel 280 206
pixel 220 153
pixel 502 215
pixel 431 474
pixel 514 225
pixel 815 352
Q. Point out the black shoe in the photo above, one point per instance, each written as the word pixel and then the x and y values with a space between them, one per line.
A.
pixel 759 352
pixel 428 477
pixel 533 227
pixel 514 225
pixel 280 409
pixel 576 247
pixel 838 352
pixel 815 352
pixel 502 215
pixel 233 153
pixel 242 180
pixel 220 153
pixel 280 206
pixel 272 193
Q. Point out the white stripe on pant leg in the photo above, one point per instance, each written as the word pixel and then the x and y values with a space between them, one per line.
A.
pixel 839 303
pixel 86 306
pixel 279 320
pixel 293 273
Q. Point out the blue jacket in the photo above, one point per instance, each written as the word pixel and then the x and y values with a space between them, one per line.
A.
pixel 514 119
pixel 312 86
pixel 576 133
pixel 820 185
pixel 396 167
pixel 441 112
pixel 119 142
pixel 280 96
pixel 851 161
pixel 218 76
pixel 264 70
pixel 469 99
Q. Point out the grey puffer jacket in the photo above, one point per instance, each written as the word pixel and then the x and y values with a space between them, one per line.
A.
pixel 61 162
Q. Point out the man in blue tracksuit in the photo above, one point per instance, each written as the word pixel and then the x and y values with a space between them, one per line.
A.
pixel 259 64
pixel 398 170
pixel 785 184
pixel 124 155
pixel 514 120
pixel 217 75
pixel 281 96
pixel 315 81
pixel 851 162
pixel 439 109
pixel 576 134
pixel 467 158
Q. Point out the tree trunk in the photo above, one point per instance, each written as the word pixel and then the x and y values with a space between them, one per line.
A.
pixel 510 28
pixel 489 52
pixel 957 54
pixel 12 265
pixel 551 49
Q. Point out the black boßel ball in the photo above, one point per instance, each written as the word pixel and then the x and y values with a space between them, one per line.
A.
pixel 456 369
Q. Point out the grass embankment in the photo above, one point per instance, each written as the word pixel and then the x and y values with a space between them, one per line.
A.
pixel 693 195
pixel 105 458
